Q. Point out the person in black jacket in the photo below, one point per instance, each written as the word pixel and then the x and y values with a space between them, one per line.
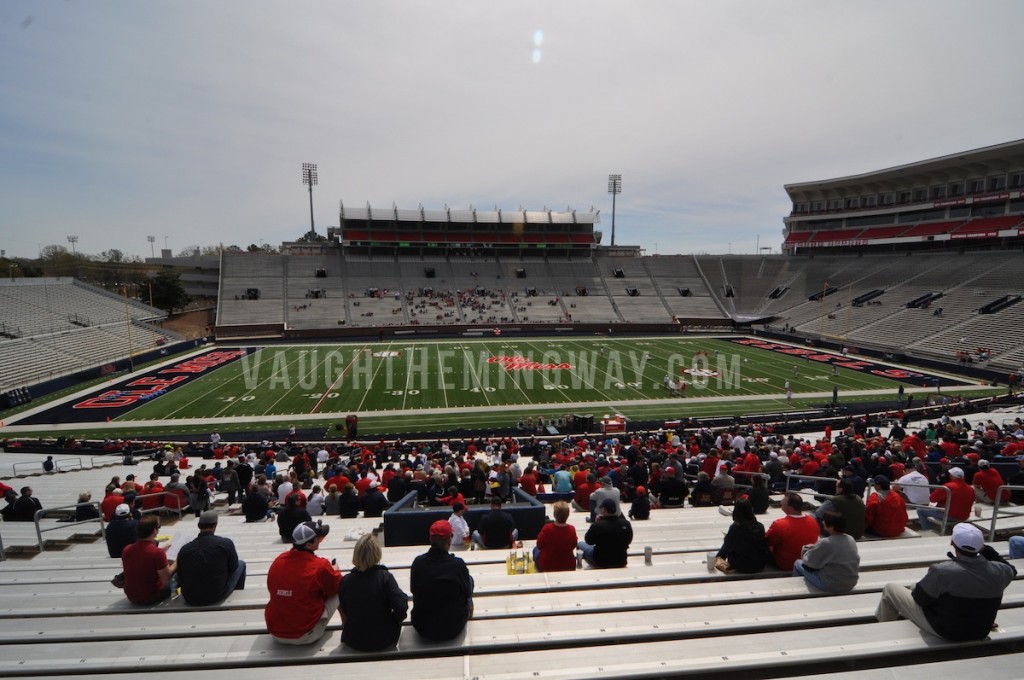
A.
pixel 442 589
pixel 292 516
pixel 208 566
pixel 372 606
pixel 744 549
pixel 608 538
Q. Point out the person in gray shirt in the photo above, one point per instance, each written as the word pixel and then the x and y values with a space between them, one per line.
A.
pixel 606 491
pixel 833 562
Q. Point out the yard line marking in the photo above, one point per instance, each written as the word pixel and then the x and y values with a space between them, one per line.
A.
pixel 373 378
pixel 440 374
pixel 340 376
pixel 476 376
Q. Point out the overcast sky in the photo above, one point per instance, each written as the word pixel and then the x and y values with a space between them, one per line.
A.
pixel 190 120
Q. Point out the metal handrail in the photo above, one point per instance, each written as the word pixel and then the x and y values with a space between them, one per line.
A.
pixel 39 514
pixel 164 506
pixel 56 464
pixel 996 514
pixel 868 487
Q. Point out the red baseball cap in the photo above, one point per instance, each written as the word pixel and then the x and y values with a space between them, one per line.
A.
pixel 441 528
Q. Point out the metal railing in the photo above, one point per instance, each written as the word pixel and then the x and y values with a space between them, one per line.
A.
pixel 869 486
pixel 59 465
pixel 999 511
pixel 182 503
pixel 40 514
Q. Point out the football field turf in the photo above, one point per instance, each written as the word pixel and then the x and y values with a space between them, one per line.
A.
pixel 503 379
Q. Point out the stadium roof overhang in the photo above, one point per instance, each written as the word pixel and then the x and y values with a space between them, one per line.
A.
pixel 988 160
pixel 472 215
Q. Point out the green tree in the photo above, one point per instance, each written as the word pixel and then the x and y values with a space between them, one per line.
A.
pixel 168 293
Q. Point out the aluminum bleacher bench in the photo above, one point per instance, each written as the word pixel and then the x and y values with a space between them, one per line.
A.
pixel 639 644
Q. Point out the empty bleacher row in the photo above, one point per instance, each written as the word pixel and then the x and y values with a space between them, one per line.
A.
pixel 65 326
pixel 671 618
pixel 41 306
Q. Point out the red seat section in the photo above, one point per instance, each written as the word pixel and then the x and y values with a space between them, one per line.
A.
pixel 932 228
pixel 835 235
pixel 883 232
pixel 990 224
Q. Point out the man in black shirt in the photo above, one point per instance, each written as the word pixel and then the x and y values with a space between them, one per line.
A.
pixel 496 529
pixel 672 491
pixel 26 506
pixel 442 589
pixel 608 538
pixel 208 566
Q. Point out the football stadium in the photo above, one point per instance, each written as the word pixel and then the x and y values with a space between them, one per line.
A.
pixel 447 358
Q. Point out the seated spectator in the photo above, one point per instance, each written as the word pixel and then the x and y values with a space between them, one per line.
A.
pixel 371 604
pixel 745 548
pixel 960 504
pixel 113 498
pixel 702 494
pixel 496 529
pixel 315 502
pixel 374 502
pixel 256 506
pixel 349 504
pixel 886 512
pixel 957 599
pixel 26 506
pixel 460 529
pixel 986 483
pixel 556 542
pixel 303 589
pixel 605 492
pixel 848 504
pixel 147 572
pixel 788 535
pixel 332 501
pixel 292 516
pixel 85 510
pixel 671 490
pixel 442 589
pixel 758 494
pixel 607 541
pixel 208 566
pixel 640 508
pixel 833 562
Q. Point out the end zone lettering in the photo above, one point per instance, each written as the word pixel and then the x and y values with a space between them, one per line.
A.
pixel 150 386
pixel 205 362
pixel 524 364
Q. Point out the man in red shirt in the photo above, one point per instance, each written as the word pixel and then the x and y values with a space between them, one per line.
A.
pixel 788 535
pixel 303 589
pixel 960 504
pixel 885 513
pixel 147 572
pixel 986 483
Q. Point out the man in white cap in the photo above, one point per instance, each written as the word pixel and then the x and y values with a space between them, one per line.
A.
pixel 959 505
pixel 957 599
pixel 303 589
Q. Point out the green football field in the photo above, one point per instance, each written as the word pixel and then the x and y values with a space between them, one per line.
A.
pixel 495 381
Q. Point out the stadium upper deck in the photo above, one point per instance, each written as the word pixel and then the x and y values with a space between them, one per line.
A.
pixel 379 230
pixel 975 195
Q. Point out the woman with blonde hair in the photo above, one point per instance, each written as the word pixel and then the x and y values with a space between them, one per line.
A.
pixel 372 605
pixel 556 543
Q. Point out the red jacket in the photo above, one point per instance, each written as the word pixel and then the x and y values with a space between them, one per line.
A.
pixel 990 480
pixel 886 517
pixel 962 501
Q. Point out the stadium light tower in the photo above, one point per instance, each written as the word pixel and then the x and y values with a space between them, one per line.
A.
pixel 614 188
pixel 152 240
pixel 309 179
pixel 73 240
